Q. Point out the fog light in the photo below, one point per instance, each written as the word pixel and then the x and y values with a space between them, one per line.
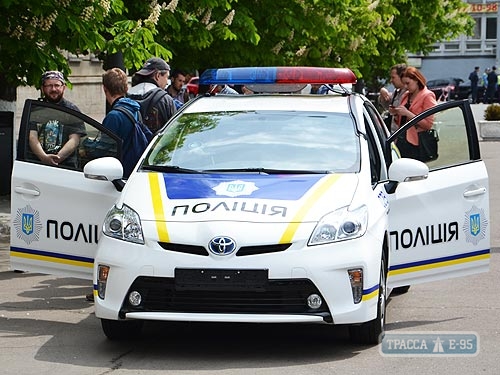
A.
pixel 102 278
pixel 314 301
pixel 356 279
pixel 135 298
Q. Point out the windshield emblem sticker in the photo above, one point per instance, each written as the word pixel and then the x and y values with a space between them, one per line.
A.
pixel 28 224
pixel 235 188
pixel 475 225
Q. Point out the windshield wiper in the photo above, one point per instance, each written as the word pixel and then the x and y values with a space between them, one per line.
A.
pixel 264 171
pixel 168 169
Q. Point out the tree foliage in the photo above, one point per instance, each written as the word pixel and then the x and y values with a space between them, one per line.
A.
pixel 366 35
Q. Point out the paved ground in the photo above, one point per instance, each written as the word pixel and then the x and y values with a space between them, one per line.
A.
pixel 4 232
pixel 490 153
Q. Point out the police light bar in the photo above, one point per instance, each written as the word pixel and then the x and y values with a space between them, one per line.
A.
pixel 277 75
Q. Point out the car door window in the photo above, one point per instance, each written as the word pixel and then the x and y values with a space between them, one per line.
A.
pixel 50 127
pixel 453 122
pixel 453 141
pixel 439 222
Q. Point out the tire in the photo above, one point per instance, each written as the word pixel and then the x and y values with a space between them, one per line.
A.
pixel 371 333
pixel 118 330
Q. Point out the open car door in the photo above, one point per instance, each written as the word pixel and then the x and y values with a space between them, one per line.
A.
pixel 56 213
pixel 440 226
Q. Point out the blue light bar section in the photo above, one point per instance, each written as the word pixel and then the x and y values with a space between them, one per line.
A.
pixel 274 75
pixel 238 76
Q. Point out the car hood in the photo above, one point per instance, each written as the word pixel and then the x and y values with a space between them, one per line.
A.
pixel 253 198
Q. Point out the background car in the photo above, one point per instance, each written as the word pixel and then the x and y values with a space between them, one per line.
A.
pixel 192 87
pixel 465 92
pixel 445 88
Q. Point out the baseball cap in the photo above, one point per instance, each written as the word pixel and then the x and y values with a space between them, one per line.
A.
pixel 152 65
pixel 53 74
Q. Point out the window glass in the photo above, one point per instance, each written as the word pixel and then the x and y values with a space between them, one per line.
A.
pixel 477 29
pixel 453 144
pixel 280 140
pixel 52 132
pixel 491 28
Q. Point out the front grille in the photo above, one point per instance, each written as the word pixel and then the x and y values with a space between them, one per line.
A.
pixel 186 249
pixel 279 297
pixel 244 251
pixel 264 249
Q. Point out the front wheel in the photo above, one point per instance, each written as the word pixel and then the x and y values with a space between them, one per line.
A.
pixel 371 333
pixel 122 329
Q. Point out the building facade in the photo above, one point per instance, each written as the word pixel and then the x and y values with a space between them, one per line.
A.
pixel 457 58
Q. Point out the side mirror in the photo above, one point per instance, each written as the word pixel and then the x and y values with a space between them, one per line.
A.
pixel 103 169
pixel 405 170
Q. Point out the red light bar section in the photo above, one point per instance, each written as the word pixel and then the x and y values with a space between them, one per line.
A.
pixel 314 75
pixel 274 75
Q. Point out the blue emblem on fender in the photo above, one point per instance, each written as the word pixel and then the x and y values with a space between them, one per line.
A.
pixel 27 224
pixel 222 245
pixel 475 225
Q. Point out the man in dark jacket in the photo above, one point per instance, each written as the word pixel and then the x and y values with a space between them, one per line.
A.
pixel 474 81
pixel 148 90
pixel 492 85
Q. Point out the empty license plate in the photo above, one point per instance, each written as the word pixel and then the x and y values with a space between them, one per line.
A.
pixel 220 279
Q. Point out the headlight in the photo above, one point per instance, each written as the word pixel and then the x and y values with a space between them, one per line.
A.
pixel 123 224
pixel 339 225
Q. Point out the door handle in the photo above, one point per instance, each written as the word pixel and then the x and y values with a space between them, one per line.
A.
pixel 22 190
pixel 473 193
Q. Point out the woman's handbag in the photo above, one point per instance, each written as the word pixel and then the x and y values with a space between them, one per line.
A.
pixel 428 145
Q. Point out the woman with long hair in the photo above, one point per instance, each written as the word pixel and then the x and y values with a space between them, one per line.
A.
pixel 416 99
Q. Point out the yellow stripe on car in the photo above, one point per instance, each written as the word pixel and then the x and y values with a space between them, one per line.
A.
pixel 156 200
pixel 321 189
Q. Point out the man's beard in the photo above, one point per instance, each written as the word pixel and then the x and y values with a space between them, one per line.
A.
pixel 55 100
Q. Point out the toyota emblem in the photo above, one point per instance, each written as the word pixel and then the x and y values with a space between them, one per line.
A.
pixel 222 245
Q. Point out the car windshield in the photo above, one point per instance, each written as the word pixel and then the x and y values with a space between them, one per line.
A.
pixel 257 142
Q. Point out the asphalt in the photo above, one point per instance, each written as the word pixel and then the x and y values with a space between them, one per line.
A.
pixel 4 232
pixel 490 153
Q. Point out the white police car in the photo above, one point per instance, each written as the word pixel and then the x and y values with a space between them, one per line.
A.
pixel 278 207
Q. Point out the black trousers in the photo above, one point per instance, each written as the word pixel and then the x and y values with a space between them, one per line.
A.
pixel 407 149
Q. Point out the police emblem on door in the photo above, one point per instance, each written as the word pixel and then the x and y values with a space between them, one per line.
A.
pixel 27 224
pixel 475 225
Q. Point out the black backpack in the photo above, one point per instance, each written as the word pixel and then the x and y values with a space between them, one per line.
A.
pixel 149 109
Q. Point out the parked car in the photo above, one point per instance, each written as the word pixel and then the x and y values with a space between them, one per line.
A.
pixel 192 87
pixel 445 88
pixel 275 207
pixel 465 92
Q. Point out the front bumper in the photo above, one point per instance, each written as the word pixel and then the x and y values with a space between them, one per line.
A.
pixel 160 294
pixel 293 274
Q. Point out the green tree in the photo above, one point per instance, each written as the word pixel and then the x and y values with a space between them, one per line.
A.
pixel 366 35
